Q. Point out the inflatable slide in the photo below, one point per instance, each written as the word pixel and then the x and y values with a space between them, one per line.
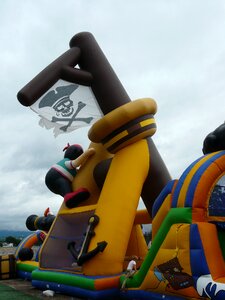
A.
pixel 97 229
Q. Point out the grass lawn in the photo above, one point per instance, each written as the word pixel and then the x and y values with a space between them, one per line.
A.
pixel 7 292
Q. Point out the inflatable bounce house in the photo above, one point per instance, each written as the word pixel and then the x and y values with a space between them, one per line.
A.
pixel 86 247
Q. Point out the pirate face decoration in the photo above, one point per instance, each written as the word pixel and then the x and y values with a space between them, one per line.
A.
pixel 64 107
pixel 59 100
pixel 67 106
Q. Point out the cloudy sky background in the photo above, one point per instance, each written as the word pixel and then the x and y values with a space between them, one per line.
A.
pixel 172 51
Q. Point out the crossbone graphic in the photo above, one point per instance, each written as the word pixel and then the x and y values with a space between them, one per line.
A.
pixel 80 106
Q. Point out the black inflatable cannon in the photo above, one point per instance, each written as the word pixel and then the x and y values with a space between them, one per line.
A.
pixel 34 222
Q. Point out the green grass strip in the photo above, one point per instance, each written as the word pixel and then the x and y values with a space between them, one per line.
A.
pixel 174 216
pixel 7 292
pixel 63 278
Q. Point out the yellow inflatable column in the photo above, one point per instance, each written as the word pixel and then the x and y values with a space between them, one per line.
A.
pixel 137 246
pixel 117 207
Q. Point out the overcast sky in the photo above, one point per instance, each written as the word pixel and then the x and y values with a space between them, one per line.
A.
pixel 169 50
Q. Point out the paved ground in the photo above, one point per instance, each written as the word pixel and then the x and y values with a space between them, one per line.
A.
pixel 25 287
pixel 7 250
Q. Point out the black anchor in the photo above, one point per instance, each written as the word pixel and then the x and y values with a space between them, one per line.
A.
pixel 73 118
pixel 83 254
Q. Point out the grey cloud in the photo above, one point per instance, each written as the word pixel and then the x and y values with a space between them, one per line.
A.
pixel 172 51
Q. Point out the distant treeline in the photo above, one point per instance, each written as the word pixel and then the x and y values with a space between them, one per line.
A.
pixel 10 240
pixel 14 233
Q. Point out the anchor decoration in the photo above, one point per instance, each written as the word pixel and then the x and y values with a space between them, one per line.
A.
pixel 83 255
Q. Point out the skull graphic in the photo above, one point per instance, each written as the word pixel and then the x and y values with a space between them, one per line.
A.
pixel 64 107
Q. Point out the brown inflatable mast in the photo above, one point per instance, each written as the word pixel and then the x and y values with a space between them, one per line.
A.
pixel 95 71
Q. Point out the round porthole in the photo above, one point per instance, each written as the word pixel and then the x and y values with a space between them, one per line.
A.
pixel 217 199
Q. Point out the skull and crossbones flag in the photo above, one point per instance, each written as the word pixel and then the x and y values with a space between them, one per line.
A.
pixel 66 107
pixel 76 89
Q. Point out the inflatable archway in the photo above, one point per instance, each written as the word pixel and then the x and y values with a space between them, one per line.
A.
pixel 27 260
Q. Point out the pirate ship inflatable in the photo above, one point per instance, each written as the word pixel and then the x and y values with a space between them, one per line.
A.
pixel 87 247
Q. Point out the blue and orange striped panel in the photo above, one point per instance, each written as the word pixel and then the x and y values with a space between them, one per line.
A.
pixel 197 179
